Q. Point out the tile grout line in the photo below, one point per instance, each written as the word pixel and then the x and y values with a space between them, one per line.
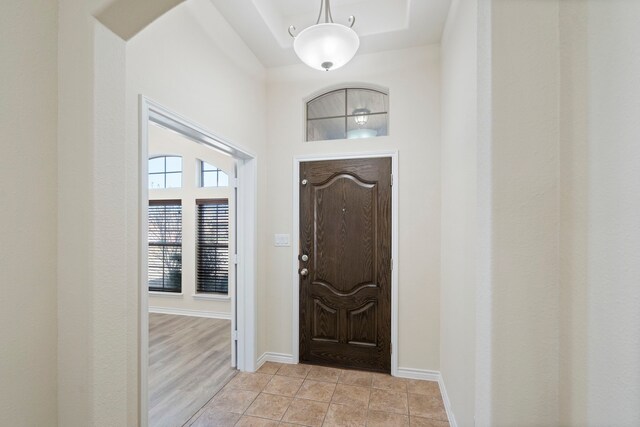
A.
pixel 244 414
pixel 331 398
pixel 305 378
pixel 294 396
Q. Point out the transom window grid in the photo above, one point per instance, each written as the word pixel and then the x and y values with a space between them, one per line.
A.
pixel 347 113
pixel 212 176
pixel 165 246
pixel 213 246
pixel 165 172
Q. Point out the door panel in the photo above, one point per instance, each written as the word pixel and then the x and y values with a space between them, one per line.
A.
pixel 363 325
pixel 343 212
pixel 345 230
pixel 325 322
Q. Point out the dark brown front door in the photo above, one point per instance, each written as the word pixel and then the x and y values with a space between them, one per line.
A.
pixel 345 263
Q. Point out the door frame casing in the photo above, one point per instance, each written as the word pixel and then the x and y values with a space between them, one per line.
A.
pixel 393 154
pixel 244 308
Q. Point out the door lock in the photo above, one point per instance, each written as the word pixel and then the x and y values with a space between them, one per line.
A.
pixel 303 272
pixel 304 257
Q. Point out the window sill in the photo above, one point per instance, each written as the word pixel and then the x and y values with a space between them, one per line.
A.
pixel 166 294
pixel 211 297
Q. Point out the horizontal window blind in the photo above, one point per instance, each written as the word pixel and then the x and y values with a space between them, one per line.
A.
pixel 165 246
pixel 213 246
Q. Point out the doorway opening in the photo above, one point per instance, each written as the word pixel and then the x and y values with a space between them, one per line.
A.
pixel 197 270
pixel 346 307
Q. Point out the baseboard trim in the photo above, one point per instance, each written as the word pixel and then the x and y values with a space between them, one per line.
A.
pixel 424 374
pixel 418 374
pixel 188 312
pixel 447 403
pixel 274 357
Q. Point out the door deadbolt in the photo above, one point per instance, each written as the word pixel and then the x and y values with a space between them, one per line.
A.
pixel 304 257
pixel 304 182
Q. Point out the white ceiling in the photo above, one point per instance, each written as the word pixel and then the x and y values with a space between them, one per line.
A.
pixel 381 24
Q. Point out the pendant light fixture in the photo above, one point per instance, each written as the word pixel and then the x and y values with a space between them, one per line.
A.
pixel 361 116
pixel 326 46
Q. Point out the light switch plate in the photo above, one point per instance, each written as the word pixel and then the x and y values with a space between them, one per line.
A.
pixel 282 240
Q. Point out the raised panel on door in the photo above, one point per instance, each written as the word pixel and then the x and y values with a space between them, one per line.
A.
pixel 325 322
pixel 363 325
pixel 344 221
pixel 345 231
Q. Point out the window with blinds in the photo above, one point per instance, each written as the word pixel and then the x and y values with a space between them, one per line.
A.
pixel 213 246
pixel 165 246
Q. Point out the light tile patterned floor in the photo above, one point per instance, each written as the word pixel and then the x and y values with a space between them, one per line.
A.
pixel 314 396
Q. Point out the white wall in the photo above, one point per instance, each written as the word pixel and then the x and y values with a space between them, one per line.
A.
pixel 613 234
pixel 413 79
pixel 459 208
pixel 164 142
pixel 520 348
pixel 28 169
pixel 574 228
pixel 563 344
pixel 96 371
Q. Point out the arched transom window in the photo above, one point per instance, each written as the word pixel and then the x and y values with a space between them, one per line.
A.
pixel 348 113
pixel 212 176
pixel 165 172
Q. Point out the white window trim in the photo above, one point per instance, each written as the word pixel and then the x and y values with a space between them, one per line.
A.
pixel 166 294
pixel 212 297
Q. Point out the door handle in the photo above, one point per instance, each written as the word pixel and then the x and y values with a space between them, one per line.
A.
pixel 303 272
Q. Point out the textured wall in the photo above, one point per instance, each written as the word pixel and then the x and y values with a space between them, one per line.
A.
pixel 574 231
pixel 459 208
pixel 613 248
pixel 600 238
pixel 28 103
pixel 524 214
pixel 562 344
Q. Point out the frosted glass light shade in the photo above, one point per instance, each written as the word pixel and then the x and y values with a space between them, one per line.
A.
pixel 361 119
pixel 326 46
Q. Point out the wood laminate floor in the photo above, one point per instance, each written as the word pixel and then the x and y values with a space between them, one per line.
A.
pixel 189 362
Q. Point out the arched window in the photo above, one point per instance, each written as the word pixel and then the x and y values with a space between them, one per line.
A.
pixel 348 113
pixel 212 176
pixel 165 172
